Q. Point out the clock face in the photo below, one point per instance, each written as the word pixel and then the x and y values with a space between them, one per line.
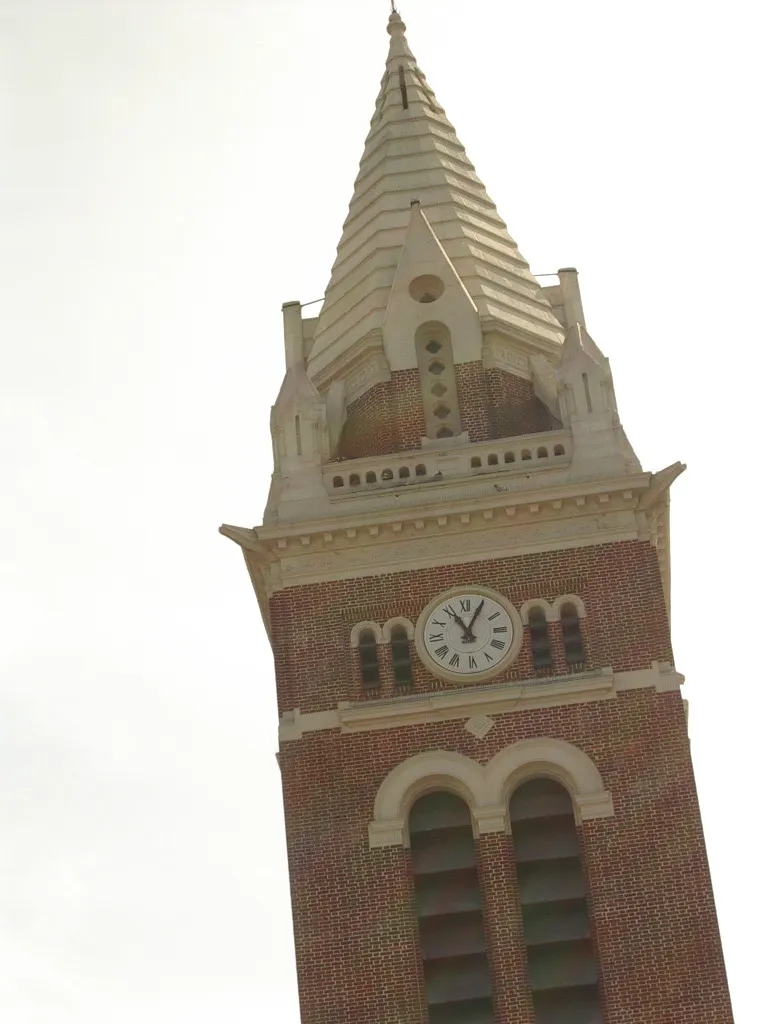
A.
pixel 469 634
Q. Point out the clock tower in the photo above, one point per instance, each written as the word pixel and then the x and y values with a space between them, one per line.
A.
pixel 463 570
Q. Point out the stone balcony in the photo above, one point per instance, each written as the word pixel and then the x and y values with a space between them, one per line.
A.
pixel 505 458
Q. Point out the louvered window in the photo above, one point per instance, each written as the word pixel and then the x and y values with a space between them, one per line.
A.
pixel 572 641
pixel 449 909
pixel 539 631
pixel 401 656
pixel 562 966
pixel 369 659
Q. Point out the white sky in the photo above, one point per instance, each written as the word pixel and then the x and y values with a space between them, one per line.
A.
pixel 172 171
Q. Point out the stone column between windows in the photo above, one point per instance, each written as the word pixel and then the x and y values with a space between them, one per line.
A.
pixel 504 929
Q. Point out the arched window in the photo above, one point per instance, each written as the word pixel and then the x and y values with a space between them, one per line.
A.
pixel 369 659
pixel 370 477
pixel 562 965
pixel 338 481
pixel 387 474
pixel 354 480
pixel 559 450
pixel 542 453
pixel 449 911
pixel 493 460
pixel 403 472
pixel 421 470
pixel 509 456
pixel 572 641
pixel 538 627
pixel 401 656
pixel 475 462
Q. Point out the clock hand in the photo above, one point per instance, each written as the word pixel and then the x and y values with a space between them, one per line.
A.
pixel 477 612
pixel 469 637
pixel 458 620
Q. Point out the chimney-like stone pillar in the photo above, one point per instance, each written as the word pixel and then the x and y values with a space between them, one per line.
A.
pixel 293 333
pixel 571 296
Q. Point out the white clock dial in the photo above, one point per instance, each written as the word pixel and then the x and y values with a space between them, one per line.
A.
pixel 469 634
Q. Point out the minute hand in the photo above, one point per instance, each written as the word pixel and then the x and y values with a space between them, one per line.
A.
pixel 470 635
pixel 478 609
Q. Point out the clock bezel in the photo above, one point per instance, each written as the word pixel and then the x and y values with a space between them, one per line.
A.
pixel 468 677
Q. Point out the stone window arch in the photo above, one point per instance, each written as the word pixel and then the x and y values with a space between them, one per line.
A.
pixel 570 611
pixel 360 627
pixel 366 637
pixel 398 633
pixel 573 599
pixel 434 353
pixel 486 789
pixel 537 602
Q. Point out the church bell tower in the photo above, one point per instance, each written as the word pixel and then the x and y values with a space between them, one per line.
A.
pixel 464 573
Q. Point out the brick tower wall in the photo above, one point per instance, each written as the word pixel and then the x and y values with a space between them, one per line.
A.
pixel 651 902
pixel 389 417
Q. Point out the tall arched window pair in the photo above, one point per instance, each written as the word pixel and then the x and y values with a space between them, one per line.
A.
pixel 562 965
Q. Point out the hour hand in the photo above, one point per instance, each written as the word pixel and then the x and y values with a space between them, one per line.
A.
pixel 459 620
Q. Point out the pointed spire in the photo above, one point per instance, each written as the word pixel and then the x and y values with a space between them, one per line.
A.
pixel 412 152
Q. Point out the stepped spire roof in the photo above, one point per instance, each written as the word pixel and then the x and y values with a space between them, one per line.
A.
pixel 412 153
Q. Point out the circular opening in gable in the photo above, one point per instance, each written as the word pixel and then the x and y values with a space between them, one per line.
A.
pixel 426 288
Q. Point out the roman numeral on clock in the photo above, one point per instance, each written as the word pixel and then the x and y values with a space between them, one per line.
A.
pixel 435 638
pixel 500 629
pixel 498 644
pixel 454 660
pixel 494 616
pixel 465 604
pixel 472 662
pixel 442 651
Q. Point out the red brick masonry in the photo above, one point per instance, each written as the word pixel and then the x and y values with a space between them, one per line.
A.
pixel 651 899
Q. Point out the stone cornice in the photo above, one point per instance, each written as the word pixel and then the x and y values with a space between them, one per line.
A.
pixel 489 699
pixel 553 498
pixel 473 528
pixel 528 341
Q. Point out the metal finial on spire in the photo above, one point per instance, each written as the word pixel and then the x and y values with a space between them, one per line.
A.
pixel 396 23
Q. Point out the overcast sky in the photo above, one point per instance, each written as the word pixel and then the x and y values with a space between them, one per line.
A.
pixel 172 171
